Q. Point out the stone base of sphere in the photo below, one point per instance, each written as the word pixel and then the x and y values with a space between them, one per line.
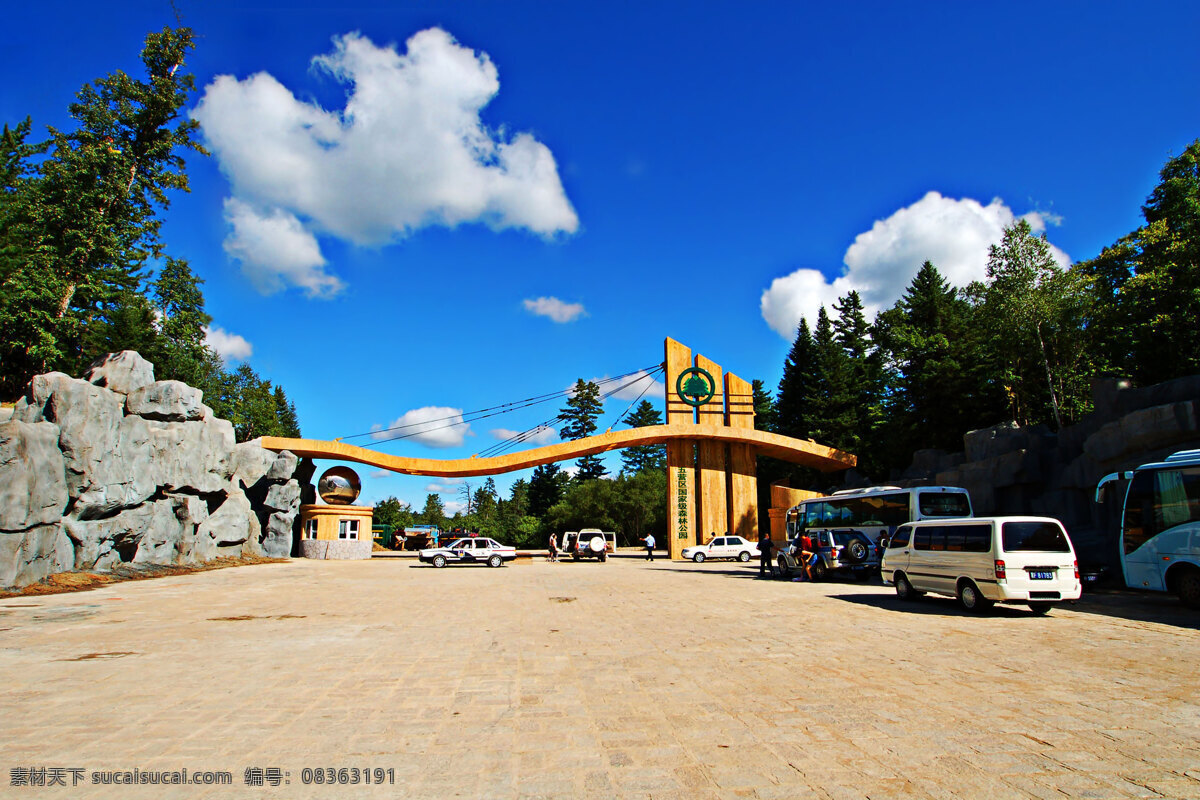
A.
pixel 335 550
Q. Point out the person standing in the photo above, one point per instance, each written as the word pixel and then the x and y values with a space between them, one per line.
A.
pixel 808 554
pixel 765 549
pixel 553 548
pixel 649 540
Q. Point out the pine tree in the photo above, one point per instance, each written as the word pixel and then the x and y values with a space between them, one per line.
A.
pixel 830 397
pixel 545 488
pixel 579 421
pixel 765 415
pixel 792 408
pixel 644 457
pixel 88 215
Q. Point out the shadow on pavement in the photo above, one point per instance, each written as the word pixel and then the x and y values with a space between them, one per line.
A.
pixel 934 605
pixel 728 572
pixel 1155 607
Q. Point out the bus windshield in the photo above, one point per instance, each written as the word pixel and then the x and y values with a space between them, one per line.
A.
pixel 1159 500
pixel 943 504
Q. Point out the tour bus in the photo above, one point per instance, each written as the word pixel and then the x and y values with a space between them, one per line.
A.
pixel 1160 525
pixel 877 511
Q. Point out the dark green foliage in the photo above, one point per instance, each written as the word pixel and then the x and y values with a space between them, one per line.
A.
pixel 645 457
pixel 80 224
pixel 765 415
pixel 579 421
pixel 394 513
pixel 545 488
pixel 791 409
pixel 631 505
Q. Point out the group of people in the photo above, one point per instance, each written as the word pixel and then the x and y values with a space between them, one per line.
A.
pixel 552 547
pixel 808 556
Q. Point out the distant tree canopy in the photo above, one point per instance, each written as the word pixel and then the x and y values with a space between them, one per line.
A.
pixel 1022 345
pixel 83 270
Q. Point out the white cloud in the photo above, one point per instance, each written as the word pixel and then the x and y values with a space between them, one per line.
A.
pixel 409 150
pixel 953 234
pixel 450 508
pixel 433 426
pixel 543 434
pixel 381 473
pixel 229 346
pixel 276 250
pixel 555 309
pixel 446 487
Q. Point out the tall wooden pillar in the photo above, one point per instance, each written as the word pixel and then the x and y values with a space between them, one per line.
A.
pixel 681 457
pixel 743 480
pixel 710 461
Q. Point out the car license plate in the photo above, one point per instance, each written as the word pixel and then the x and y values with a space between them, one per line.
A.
pixel 1041 576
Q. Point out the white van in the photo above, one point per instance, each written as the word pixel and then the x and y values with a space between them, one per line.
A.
pixel 983 561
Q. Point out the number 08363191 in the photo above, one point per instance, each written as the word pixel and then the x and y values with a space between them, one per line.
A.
pixel 347 775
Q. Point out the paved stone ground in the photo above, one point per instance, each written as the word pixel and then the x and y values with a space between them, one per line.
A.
pixel 623 679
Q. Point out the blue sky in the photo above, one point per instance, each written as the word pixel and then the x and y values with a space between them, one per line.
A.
pixel 538 192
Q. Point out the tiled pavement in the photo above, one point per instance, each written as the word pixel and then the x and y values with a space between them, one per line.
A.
pixel 623 679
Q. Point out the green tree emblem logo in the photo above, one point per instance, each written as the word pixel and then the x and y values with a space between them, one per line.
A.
pixel 695 386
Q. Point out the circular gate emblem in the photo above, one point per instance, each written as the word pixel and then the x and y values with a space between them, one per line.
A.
pixel 695 386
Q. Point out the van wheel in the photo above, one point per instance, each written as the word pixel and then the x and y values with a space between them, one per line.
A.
pixel 971 599
pixel 1189 588
pixel 744 556
pixel 904 589
pixel 785 571
pixel 1041 609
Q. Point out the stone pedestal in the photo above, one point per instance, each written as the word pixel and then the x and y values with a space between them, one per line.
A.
pixel 335 532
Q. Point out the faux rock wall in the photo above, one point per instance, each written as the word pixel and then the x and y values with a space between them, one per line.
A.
pixel 118 467
pixel 1012 470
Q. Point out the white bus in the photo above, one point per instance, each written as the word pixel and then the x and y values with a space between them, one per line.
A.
pixel 878 511
pixel 1160 525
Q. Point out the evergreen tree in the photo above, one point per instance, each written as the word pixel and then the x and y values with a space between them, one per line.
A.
pixel 830 397
pixel 765 415
pixel 181 353
pixel 545 488
pixel 579 421
pixel 286 422
pixel 644 457
pixel 865 380
pixel 87 215
pixel 434 512
pixel 792 408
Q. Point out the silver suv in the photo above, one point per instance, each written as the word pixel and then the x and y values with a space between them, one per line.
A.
pixel 844 552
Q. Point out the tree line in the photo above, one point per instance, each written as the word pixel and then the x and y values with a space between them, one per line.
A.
pixel 1024 344
pixel 83 268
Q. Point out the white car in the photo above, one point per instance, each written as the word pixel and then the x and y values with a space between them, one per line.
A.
pixel 472 550
pixel 722 547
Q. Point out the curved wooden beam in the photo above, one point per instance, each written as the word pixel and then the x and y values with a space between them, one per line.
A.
pixel 805 452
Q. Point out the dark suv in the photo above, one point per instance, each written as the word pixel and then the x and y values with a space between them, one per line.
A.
pixel 844 552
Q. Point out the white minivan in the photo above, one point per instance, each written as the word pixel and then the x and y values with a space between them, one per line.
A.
pixel 984 560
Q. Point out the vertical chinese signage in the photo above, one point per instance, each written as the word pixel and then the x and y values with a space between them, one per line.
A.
pixel 682 512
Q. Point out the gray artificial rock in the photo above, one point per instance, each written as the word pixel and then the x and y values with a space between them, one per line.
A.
pixel 33 483
pixel 284 467
pixel 171 530
pixel 101 543
pixel 106 453
pixel 277 535
pixel 283 497
pixel 191 456
pixel 6 413
pixel 229 528
pixel 251 462
pixel 122 372
pixel 168 401
pixel 30 555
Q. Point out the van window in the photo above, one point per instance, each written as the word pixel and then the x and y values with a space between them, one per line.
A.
pixel 921 538
pixel 1042 537
pixel 901 537
pixel 976 538
pixel 937 537
pixel 943 504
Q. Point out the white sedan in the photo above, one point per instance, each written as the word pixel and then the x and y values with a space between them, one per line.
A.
pixel 473 550
pixel 722 547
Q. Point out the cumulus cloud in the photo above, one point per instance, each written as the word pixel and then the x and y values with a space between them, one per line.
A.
pixel 543 434
pixel 381 473
pixel 433 426
pixel 953 234
pixel 409 150
pixel 446 487
pixel 229 346
pixel 452 507
pixel 276 250
pixel 555 309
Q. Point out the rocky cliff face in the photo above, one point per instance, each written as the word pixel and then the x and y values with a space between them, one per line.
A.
pixel 1012 470
pixel 118 467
